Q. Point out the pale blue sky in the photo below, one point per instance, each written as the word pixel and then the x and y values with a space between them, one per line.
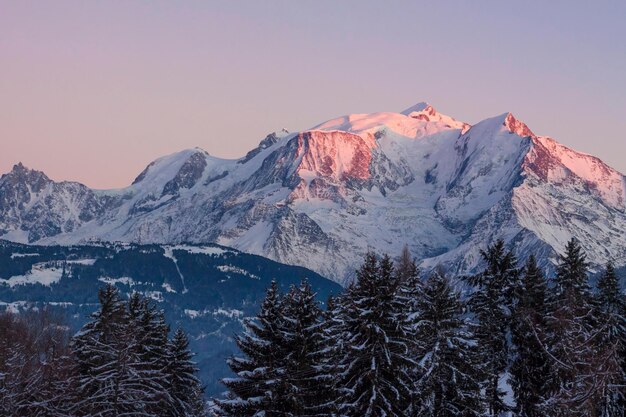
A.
pixel 87 86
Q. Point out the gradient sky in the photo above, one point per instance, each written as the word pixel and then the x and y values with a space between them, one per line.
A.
pixel 94 90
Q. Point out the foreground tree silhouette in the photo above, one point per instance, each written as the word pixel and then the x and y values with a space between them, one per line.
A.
pixel 492 303
pixel 576 368
pixel 258 387
pixel 308 378
pixel 531 364
pixel 450 381
pixel 124 363
pixel 375 377
pixel 183 384
pixel 102 361
pixel 611 344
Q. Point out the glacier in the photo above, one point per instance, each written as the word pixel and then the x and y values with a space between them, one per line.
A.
pixel 323 197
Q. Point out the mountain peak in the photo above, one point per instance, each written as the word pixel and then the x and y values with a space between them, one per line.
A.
pixel 504 122
pixel 426 112
pixel 19 170
pixel 167 167
pixel 422 106
pixel 268 141
pixel 516 126
pixel 19 167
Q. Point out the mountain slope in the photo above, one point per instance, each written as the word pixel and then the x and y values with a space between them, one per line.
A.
pixel 207 290
pixel 321 198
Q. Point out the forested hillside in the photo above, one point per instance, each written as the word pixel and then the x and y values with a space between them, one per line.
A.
pixel 207 290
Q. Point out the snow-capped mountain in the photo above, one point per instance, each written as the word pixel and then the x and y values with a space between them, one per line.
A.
pixel 323 197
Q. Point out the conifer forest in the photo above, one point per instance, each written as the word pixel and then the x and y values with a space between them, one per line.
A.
pixel 508 341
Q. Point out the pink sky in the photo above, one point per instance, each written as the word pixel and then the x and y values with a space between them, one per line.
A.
pixel 93 91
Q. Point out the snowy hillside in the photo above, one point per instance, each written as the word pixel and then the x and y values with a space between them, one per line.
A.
pixel 322 198
pixel 207 290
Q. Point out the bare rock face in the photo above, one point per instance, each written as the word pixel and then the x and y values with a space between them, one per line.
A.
pixel 187 175
pixel 33 207
pixel 323 197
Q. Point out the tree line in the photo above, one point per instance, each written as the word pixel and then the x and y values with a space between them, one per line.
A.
pixel 121 363
pixel 393 345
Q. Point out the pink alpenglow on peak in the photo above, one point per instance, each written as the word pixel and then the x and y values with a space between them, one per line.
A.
pixel 424 111
pixel 415 122
pixel 324 197
pixel 335 155
pixel 516 126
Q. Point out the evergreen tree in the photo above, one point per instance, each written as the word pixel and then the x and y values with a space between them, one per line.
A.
pixel 101 359
pixel 410 289
pixel 409 284
pixel 121 360
pixel 119 364
pixel 184 386
pixel 573 358
pixel 612 343
pixel 104 362
pixel 492 303
pixel 375 368
pixel 450 382
pixel 531 364
pixel 256 390
pixel 572 276
pixel 407 275
pixel 146 350
pixel 307 377
pixel 333 341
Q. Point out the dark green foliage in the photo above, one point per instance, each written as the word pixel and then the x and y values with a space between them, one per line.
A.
pixel 126 365
pixel 102 361
pixel 570 333
pixel 308 378
pixel 572 278
pixel 220 289
pixel 530 366
pixel 183 385
pixel 449 383
pixel 611 343
pixel 390 345
pixel 374 370
pixel 259 373
pixel 492 304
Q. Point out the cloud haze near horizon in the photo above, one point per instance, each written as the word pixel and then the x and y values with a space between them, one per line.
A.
pixel 94 91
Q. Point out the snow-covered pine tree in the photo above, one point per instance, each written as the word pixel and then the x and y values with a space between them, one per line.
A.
pixel 375 368
pixel 407 275
pixel 531 364
pixel 611 343
pixel 308 380
pixel 255 391
pixel 147 346
pixel 410 289
pixel 449 385
pixel 572 274
pixel 184 386
pixel 333 349
pixel 492 304
pixel 101 360
pixel 409 283
pixel 570 333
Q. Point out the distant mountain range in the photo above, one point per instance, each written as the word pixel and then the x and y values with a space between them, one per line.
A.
pixel 207 290
pixel 323 197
